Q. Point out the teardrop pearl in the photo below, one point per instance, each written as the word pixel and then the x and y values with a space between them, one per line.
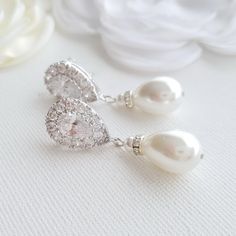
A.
pixel 158 96
pixel 173 151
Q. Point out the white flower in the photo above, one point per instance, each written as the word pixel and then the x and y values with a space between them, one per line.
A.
pixel 24 29
pixel 153 35
pixel 76 17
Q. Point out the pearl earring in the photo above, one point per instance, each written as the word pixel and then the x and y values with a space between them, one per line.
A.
pixel 158 96
pixel 74 124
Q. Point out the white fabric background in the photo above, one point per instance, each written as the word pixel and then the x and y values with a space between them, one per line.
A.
pixel 47 191
pixel 170 33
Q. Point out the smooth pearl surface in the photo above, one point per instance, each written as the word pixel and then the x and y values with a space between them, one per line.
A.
pixel 173 151
pixel 158 96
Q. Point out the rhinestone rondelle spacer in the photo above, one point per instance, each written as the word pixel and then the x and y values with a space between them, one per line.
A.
pixel 128 99
pixel 136 145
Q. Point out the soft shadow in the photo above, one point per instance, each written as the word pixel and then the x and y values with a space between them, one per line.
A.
pixel 147 172
pixel 44 101
pixel 58 152
pixel 155 181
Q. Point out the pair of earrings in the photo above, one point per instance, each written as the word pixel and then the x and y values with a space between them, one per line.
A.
pixel 73 123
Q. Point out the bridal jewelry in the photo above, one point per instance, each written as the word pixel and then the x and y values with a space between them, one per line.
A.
pixel 158 96
pixel 74 124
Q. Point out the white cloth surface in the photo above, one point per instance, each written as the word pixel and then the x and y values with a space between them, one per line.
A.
pixel 45 190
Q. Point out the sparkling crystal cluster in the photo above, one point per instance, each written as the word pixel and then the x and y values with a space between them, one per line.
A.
pixel 65 79
pixel 74 124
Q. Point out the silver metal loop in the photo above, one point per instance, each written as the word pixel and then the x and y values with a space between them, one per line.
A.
pixel 118 142
pixel 108 99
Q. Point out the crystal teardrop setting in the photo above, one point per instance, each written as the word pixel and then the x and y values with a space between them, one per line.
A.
pixel 67 79
pixel 74 124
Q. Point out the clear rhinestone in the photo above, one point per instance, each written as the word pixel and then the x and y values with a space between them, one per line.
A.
pixel 51 126
pixel 98 134
pixel 52 115
pixel 61 68
pixel 62 86
pixel 70 89
pixel 59 107
pixel 83 83
pixel 54 85
pixel 52 71
pixel 67 80
pixel 89 142
pixel 71 125
pixel 76 126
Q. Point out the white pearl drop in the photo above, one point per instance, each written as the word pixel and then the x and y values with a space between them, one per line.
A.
pixel 158 96
pixel 173 151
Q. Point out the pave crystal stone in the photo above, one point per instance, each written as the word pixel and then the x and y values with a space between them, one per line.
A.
pixel 66 79
pixel 62 85
pixel 70 125
pixel 74 124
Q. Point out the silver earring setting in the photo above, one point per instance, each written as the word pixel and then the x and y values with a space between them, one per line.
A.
pixel 71 122
pixel 74 124
pixel 159 96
